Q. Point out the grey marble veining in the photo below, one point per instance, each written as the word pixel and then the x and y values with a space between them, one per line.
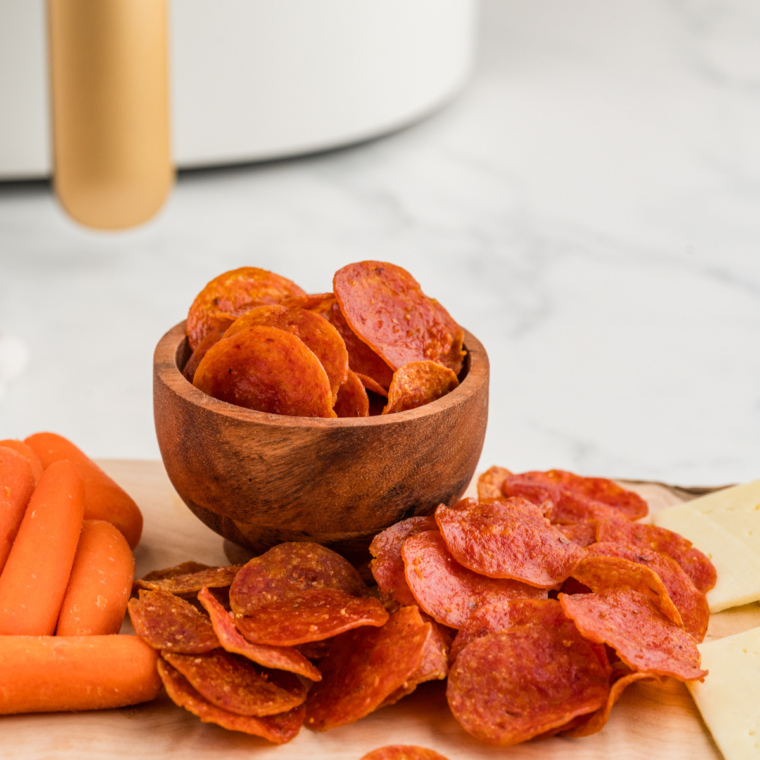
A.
pixel 589 207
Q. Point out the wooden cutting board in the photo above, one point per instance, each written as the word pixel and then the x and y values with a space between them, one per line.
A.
pixel 650 722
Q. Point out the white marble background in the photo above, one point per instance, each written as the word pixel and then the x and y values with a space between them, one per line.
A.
pixel 590 208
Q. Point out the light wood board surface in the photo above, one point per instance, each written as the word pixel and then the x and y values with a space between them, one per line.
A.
pixel 650 722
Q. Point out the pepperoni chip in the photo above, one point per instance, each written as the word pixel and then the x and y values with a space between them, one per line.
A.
pixel 494 618
pixel 447 591
pixel 635 627
pixel 236 685
pixel 277 658
pixel 491 481
pixel 582 533
pixel 213 336
pixel 594 723
pixel 318 336
pixel 319 303
pixel 314 650
pixel 388 566
pixel 314 616
pixel 278 729
pixel 290 570
pixel 269 370
pixel 696 565
pixel 190 583
pixel 603 574
pixel 233 293
pixel 507 539
pixel 691 603
pixel 508 687
pixel 352 399
pixel 418 383
pixel 364 667
pixel 403 752
pixel 385 306
pixel 166 622
pixel 434 665
pixel 575 498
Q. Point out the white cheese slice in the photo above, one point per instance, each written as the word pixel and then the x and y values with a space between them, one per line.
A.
pixel 724 542
pixel 729 697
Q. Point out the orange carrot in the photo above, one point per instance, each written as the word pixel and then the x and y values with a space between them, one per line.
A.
pixel 36 574
pixel 51 674
pixel 16 486
pixel 100 583
pixel 104 499
pixel 26 451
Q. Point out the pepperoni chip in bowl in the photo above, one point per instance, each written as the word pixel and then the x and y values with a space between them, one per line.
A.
pixel 269 370
pixel 385 306
pixel 418 383
pixel 321 337
pixel 233 293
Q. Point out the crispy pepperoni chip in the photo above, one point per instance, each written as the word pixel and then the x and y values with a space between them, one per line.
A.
pixel 364 667
pixel 635 627
pixel 385 306
pixel 319 337
pixel 269 370
pixel 191 582
pixel 418 383
pixel 278 729
pixel 236 685
pixel 696 565
pixel 289 570
pixel 403 752
pixel 508 687
pixel 447 591
pixel 388 565
pixel 168 623
pixel 575 498
pixel 277 658
pixel 314 616
pixel 594 723
pixel 233 293
pixel 491 481
pixel 434 665
pixel 494 618
pixel 352 399
pixel 507 539
pixel 602 574
pixel 690 602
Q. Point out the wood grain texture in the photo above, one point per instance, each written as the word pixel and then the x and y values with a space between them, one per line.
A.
pixel 259 479
pixel 649 723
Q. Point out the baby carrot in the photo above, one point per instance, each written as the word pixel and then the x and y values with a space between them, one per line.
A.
pixel 104 499
pixel 51 674
pixel 36 574
pixel 99 584
pixel 16 486
pixel 26 451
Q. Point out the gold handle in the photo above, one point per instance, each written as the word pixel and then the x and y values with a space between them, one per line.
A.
pixel 110 100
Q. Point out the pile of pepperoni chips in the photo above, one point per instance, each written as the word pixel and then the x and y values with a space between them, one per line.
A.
pixel 259 341
pixel 539 607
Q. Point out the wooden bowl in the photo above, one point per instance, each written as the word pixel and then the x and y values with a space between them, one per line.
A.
pixel 258 479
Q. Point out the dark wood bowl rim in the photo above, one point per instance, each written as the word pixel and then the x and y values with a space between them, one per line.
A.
pixel 165 364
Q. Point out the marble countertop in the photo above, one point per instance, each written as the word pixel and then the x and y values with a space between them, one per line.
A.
pixel 589 207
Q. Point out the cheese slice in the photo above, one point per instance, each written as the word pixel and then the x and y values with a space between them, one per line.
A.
pixel 729 698
pixel 725 526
